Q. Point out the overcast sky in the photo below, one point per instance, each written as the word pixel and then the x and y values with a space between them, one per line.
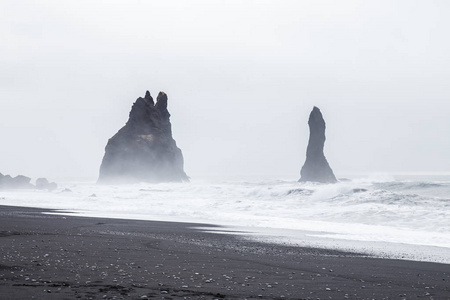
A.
pixel 241 77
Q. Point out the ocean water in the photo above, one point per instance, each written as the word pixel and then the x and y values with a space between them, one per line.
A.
pixel 395 216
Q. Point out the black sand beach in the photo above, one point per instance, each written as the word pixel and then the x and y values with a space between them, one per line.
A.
pixel 62 257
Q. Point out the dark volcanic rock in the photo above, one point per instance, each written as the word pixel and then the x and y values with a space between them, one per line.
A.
pixel 144 150
pixel 43 184
pixel 18 182
pixel 23 182
pixel 316 167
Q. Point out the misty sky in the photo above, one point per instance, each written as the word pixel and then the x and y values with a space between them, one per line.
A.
pixel 241 77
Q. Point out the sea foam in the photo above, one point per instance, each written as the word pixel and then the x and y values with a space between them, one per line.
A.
pixel 365 210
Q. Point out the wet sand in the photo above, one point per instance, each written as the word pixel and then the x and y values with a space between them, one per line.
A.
pixel 46 256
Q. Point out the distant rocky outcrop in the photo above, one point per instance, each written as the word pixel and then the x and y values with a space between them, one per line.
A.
pixel 23 182
pixel 144 150
pixel 18 182
pixel 44 184
pixel 316 167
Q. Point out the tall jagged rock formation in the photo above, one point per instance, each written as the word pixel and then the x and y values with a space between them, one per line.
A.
pixel 316 167
pixel 144 150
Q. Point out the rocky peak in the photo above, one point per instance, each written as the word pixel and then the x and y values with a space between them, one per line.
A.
pixel 316 167
pixel 144 150
pixel 148 98
pixel 161 102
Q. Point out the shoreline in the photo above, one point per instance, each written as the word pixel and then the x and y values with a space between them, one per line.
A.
pixel 391 215
pixel 54 256
pixel 296 238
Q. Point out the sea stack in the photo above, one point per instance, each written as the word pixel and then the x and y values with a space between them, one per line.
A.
pixel 316 167
pixel 144 150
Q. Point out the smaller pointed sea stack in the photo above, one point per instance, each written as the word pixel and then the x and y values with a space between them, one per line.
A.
pixel 144 150
pixel 316 167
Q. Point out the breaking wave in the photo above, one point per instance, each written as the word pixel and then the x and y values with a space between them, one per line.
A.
pixel 386 210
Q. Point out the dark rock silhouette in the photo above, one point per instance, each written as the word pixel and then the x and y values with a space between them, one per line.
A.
pixel 23 182
pixel 316 167
pixel 43 184
pixel 18 182
pixel 144 150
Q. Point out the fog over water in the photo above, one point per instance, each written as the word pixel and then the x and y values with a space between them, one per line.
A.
pixel 241 78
